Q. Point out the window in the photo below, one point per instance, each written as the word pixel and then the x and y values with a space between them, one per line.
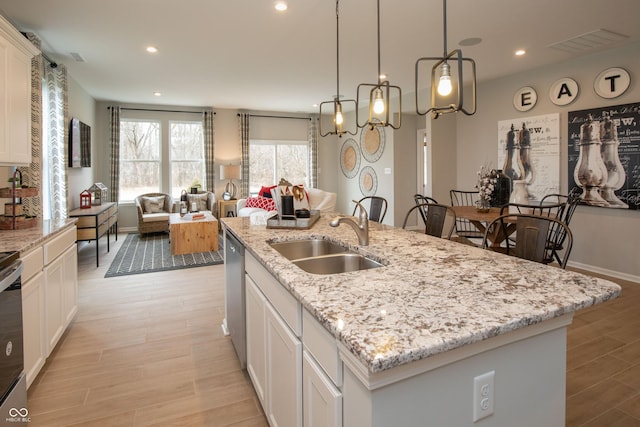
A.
pixel 140 158
pixel 160 151
pixel 187 156
pixel 272 160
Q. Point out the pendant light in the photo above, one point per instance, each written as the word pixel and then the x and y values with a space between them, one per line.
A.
pixel 441 82
pixel 385 100
pixel 337 115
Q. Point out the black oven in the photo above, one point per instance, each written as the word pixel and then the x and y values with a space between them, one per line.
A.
pixel 12 381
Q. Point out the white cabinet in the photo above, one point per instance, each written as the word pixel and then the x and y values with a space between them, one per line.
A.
pixel 274 350
pixel 33 325
pixel 322 400
pixel 49 297
pixel 15 96
pixel 284 372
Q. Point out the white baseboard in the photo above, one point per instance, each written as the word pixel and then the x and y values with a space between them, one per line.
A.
pixel 605 271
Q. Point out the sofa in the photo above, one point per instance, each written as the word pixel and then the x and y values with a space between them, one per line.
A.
pixel 153 212
pixel 320 200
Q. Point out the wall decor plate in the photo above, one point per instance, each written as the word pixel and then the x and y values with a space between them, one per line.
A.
pixel 612 82
pixel 564 91
pixel 368 181
pixel 525 98
pixel 372 143
pixel 350 158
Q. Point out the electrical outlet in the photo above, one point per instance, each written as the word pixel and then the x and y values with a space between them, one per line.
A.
pixel 483 395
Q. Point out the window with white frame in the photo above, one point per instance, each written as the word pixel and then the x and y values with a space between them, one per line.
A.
pixel 272 160
pixel 160 152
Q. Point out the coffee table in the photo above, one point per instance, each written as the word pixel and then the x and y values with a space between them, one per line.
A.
pixel 189 236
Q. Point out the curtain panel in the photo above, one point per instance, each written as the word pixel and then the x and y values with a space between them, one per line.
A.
pixel 244 138
pixel 209 140
pixel 313 152
pixel 114 141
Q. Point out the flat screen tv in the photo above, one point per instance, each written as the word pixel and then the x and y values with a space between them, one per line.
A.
pixel 79 144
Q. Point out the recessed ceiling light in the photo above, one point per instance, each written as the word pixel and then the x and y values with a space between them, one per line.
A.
pixel 152 49
pixel 520 52
pixel 471 41
pixel 157 93
pixel 281 6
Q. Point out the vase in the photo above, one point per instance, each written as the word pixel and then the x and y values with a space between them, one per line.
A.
pixel 519 195
pixel 483 205
pixel 501 191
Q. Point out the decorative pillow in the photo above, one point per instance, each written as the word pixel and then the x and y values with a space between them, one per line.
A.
pixel 266 191
pixel 200 199
pixel 153 204
pixel 265 203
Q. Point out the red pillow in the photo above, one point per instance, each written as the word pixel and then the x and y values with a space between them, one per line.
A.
pixel 261 202
pixel 265 191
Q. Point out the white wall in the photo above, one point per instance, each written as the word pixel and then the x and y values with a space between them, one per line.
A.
pixel 606 240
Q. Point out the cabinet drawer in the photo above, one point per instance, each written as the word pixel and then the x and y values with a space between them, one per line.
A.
pixel 284 303
pixel 322 345
pixel 113 210
pixel 86 222
pixel 86 233
pixel 56 246
pixel 32 263
pixel 103 217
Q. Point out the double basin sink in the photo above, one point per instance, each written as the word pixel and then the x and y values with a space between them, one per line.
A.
pixel 318 256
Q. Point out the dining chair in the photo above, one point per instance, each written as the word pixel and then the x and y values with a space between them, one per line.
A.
pixel 464 227
pixel 418 199
pixel 535 238
pixel 377 207
pixel 571 203
pixel 440 220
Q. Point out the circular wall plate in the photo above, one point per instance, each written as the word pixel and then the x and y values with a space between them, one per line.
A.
pixel 368 181
pixel 372 143
pixel 564 91
pixel 612 82
pixel 525 98
pixel 350 158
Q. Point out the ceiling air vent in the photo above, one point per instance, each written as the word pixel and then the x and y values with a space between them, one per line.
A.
pixel 77 57
pixel 588 41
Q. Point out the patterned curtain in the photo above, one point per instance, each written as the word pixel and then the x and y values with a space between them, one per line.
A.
pixel 244 137
pixel 54 171
pixel 33 173
pixel 209 136
pixel 114 140
pixel 312 137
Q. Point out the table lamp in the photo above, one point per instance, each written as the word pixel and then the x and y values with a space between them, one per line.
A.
pixel 230 172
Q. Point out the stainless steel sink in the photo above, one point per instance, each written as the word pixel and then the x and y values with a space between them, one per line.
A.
pixel 297 249
pixel 336 263
pixel 320 256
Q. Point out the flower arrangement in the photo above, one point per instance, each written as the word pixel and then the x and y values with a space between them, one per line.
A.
pixel 487 179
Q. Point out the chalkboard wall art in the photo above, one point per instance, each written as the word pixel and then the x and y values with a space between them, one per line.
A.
pixel 604 156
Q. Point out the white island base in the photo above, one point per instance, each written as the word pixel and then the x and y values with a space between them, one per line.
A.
pixel 529 367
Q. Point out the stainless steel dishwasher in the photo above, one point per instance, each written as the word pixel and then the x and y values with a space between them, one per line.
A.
pixel 234 322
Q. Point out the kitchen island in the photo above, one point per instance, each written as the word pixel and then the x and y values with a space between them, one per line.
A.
pixel 442 332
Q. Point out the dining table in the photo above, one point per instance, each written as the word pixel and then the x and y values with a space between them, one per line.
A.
pixel 481 220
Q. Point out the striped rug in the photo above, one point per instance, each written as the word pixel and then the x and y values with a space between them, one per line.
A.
pixel 151 252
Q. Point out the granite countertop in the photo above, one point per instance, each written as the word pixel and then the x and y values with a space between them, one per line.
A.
pixel 26 239
pixel 432 296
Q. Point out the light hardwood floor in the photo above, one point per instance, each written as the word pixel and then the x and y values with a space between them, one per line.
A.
pixel 148 350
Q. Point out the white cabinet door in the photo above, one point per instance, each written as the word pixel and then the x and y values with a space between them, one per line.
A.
pixel 322 400
pixel 33 326
pixel 284 373
pixel 54 279
pixel 255 330
pixel 69 285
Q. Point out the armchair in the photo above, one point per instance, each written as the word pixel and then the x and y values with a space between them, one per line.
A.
pixel 153 212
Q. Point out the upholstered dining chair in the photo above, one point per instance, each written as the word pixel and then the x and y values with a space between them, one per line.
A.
pixel 440 220
pixel 377 208
pixel 535 238
pixel 464 227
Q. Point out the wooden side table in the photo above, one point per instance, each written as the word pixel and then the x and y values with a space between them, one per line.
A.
pixel 191 236
pixel 94 222
pixel 227 208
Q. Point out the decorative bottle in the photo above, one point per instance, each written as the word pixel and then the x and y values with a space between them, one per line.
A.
pixel 512 163
pixel 615 171
pixel 590 172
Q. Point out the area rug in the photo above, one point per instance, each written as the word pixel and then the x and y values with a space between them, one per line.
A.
pixel 151 252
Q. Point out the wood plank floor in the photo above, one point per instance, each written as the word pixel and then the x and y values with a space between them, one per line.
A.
pixel 148 350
